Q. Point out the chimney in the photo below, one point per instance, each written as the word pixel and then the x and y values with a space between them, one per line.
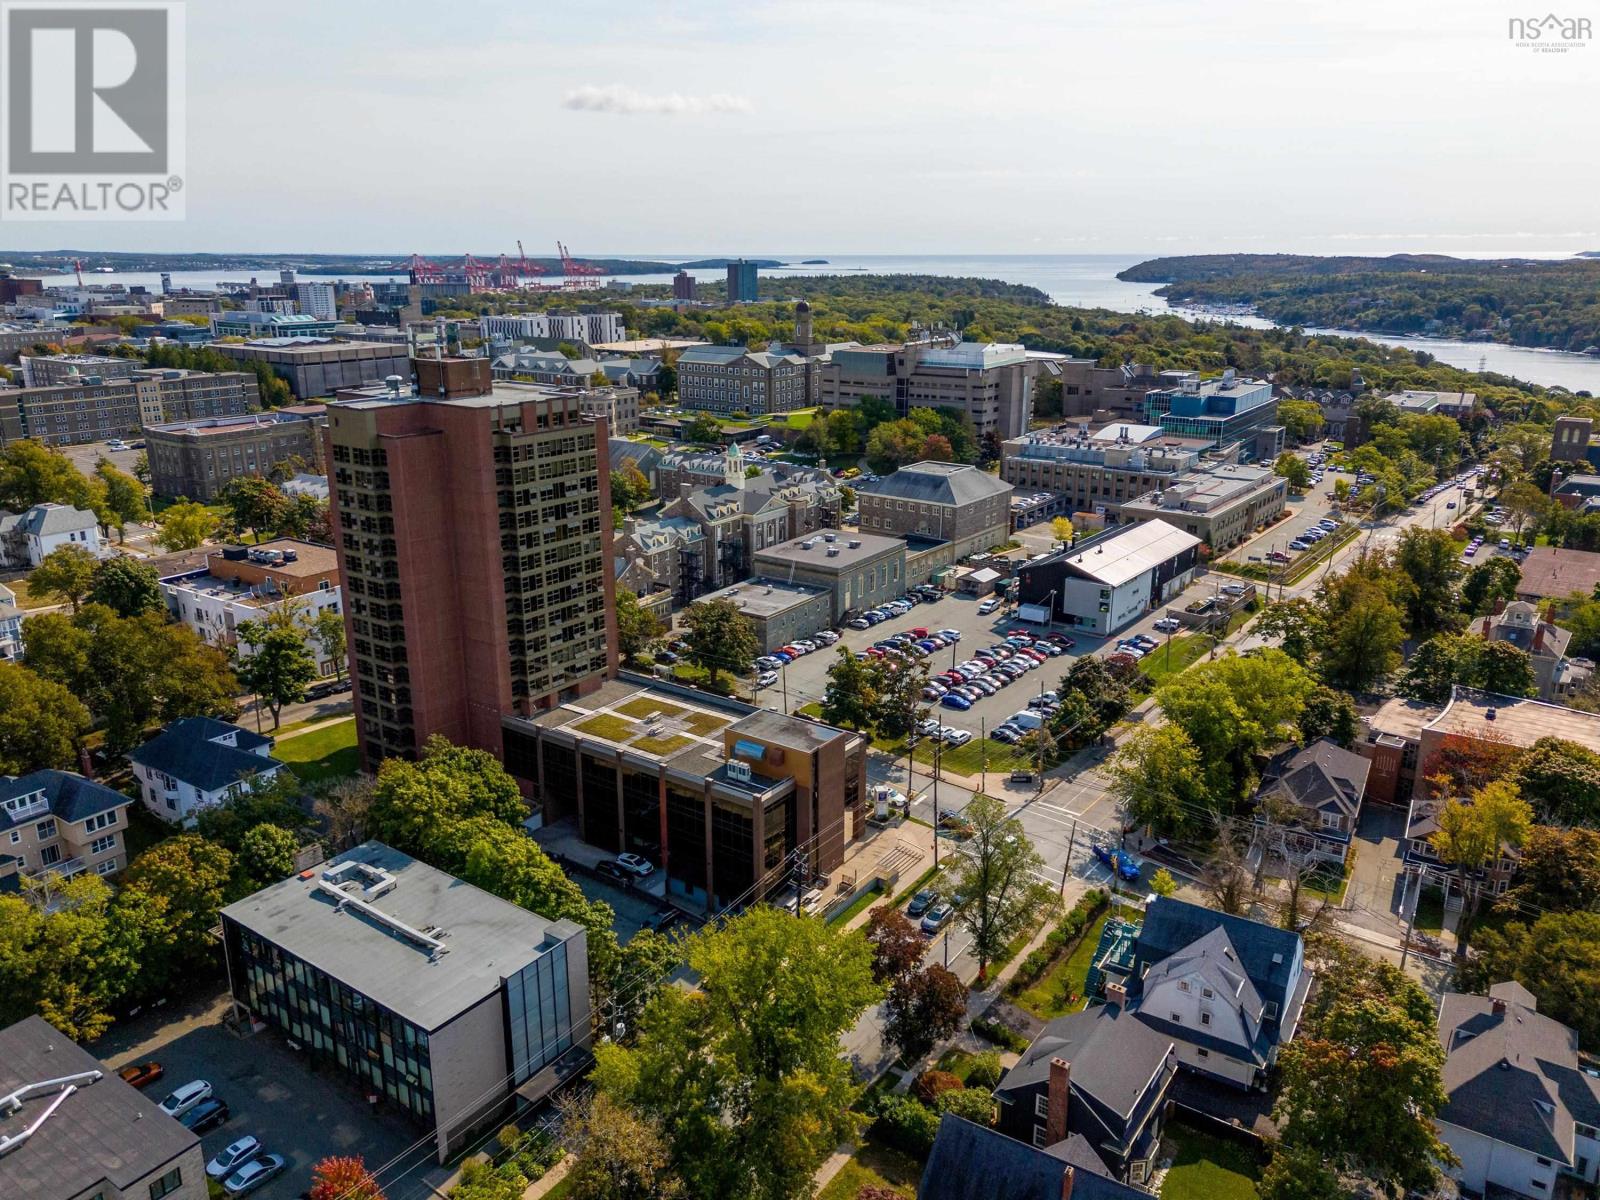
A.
pixel 685 486
pixel 1499 1006
pixel 1066 1183
pixel 1055 1128
pixel 1117 993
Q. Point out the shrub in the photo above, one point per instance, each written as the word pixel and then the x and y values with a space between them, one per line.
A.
pixel 930 1084
pixel 974 1104
pixel 1000 1035
pixel 1069 929
pixel 906 1124
pixel 985 1070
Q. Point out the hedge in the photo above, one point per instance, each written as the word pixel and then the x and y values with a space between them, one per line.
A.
pixel 904 1123
pixel 1070 929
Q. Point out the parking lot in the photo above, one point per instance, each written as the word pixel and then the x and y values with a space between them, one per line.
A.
pixel 274 1093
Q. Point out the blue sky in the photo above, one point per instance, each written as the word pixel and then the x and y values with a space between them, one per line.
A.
pixel 825 126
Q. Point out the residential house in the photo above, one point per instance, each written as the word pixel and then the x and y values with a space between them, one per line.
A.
pixel 1227 990
pixel 1545 644
pixel 10 626
pixel 1322 786
pixel 969 1162
pixel 60 824
pixel 1102 1074
pixel 1418 854
pixel 197 763
pixel 27 538
pixel 1522 1114
pixel 1551 573
pixel 75 1131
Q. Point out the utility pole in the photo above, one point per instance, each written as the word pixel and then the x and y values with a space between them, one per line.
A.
pixel 1072 842
pixel 938 748
pixel 1411 916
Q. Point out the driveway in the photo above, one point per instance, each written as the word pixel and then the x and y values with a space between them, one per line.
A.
pixel 273 1092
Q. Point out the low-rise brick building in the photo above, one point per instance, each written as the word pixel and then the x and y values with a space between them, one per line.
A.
pixel 951 502
pixel 197 459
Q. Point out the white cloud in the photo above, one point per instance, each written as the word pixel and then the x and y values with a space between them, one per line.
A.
pixel 620 98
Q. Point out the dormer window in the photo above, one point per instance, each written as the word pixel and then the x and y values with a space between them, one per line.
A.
pixel 1269 1011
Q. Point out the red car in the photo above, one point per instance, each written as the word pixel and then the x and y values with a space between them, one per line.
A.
pixel 142 1074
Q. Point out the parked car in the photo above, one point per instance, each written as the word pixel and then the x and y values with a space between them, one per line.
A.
pixel 956 701
pixel 186 1097
pixel 608 867
pixel 234 1156
pixel 635 864
pixel 859 623
pixel 253 1174
pixel 953 634
pixel 960 738
pixel 766 679
pixel 206 1115
pixel 666 656
pixel 143 1074
pixel 937 917
pixel 988 606
pixel 922 902
pixel 1007 734
pixel 1168 624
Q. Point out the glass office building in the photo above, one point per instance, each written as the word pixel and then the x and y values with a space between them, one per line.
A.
pixel 439 999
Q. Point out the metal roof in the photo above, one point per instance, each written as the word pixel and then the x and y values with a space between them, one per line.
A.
pixel 1128 552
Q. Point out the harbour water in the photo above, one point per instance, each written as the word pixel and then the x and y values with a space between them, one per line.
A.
pixel 1074 280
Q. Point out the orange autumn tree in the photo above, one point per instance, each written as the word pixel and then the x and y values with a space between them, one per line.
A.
pixel 344 1178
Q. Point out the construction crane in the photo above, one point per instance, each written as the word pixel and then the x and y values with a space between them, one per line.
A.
pixel 527 268
pixel 421 270
pixel 77 267
pixel 574 271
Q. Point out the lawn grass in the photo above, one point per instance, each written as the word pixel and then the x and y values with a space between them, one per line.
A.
pixel 800 418
pixel 26 598
pixel 1046 999
pixel 705 724
pixel 326 753
pixel 293 727
pixel 1430 911
pixel 662 745
pixel 607 725
pixel 1329 887
pixel 561 1190
pixel 1208 1168
pixel 978 754
pixel 874 1165
pixel 867 898
pixel 1178 654
pixel 644 706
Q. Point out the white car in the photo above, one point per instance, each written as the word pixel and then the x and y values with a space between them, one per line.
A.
pixel 766 679
pixel 234 1157
pixel 635 864
pixel 253 1174
pixel 186 1097
pixel 1168 624
pixel 957 737
pixel 987 607
pixel 950 635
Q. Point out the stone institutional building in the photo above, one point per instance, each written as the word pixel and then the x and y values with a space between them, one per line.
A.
pixel 197 459
pixel 95 409
pixel 949 502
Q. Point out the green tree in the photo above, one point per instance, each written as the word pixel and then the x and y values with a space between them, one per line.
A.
pixel 328 628
pixel 186 880
pixel 307 518
pixel 266 855
pixel 1561 779
pixel 1330 714
pixel 278 668
pixel 842 436
pixel 1061 530
pixel 272 802
pixel 1490 581
pixel 923 1009
pixel 127 587
pixel 637 626
pixel 1296 624
pixel 33 473
pixel 1449 659
pixel 1362 1083
pixel 702 429
pixel 124 498
pixel 743 1076
pixel 69 964
pixel 1233 708
pixel 67 571
pixel 850 699
pixel 1293 468
pixel 185 526
pixel 1160 782
pixel 1361 639
pixel 1558 870
pixel 999 879
pixel 1429 563
pixel 256 504
pixel 1301 419
pixel 1472 835
pixel 1162 883
pixel 615 1154
pixel 629 488
pixel 1557 958
pixel 40 722
pixel 1527 507
pixel 720 637
pixel 899 703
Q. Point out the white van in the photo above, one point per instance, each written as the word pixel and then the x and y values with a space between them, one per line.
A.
pixel 1026 719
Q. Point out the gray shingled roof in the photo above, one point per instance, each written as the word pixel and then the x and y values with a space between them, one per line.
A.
pixel 938 483
pixel 1113 1056
pixel 72 797
pixel 187 750
pixel 1513 1075
pixel 1325 775
pixel 44 519
pixel 970 1162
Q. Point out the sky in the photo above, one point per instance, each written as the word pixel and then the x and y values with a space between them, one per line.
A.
pixel 703 127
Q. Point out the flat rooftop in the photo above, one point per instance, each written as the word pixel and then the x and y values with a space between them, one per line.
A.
pixel 1552 572
pixel 812 549
pixel 1402 718
pixel 310 558
pixel 1515 720
pixel 105 1131
pixel 765 598
pixel 485 937
pixel 222 426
